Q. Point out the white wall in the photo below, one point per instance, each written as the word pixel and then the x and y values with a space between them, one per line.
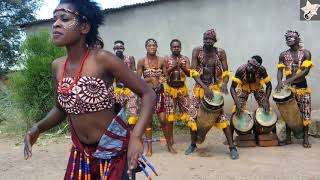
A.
pixel 244 28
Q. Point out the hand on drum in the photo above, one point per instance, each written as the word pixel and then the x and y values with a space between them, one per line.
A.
pixel 238 109
pixel 282 85
pixel 266 106
pixel 279 87
pixel 224 88
pixel 286 83
pixel 208 93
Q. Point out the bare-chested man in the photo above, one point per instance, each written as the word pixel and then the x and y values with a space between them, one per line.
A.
pixel 211 63
pixel 295 64
pixel 153 70
pixel 250 78
pixel 124 95
pixel 176 92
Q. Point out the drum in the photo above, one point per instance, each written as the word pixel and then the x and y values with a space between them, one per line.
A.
pixel 265 122
pixel 209 111
pixel 289 111
pixel 243 123
pixel 175 79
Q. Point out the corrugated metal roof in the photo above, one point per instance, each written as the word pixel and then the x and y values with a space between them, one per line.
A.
pixel 148 3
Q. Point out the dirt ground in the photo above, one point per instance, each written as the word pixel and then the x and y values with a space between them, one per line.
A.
pixel 211 161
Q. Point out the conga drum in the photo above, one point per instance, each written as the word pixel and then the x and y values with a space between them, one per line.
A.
pixel 289 111
pixel 243 123
pixel 265 122
pixel 208 112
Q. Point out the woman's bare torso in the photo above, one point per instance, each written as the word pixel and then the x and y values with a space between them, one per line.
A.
pixel 89 126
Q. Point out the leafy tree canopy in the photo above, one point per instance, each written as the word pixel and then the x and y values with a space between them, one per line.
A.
pixel 13 13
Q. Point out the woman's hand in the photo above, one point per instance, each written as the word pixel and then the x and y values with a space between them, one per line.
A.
pixel 135 149
pixel 30 138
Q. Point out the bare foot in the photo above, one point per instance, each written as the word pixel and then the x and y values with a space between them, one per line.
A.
pixel 306 144
pixel 171 150
pixel 149 153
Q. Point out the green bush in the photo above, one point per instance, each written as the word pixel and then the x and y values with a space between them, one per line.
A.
pixel 10 115
pixel 32 87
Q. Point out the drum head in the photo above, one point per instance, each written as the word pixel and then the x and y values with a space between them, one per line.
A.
pixel 283 94
pixel 266 118
pixel 243 122
pixel 216 101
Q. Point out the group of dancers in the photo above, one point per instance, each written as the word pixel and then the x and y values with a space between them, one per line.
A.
pixel 209 68
pixel 94 89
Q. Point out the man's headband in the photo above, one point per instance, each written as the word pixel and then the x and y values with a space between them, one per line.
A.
pixel 210 33
pixel 151 41
pixel 292 33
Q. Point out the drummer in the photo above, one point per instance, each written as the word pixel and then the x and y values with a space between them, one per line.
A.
pixel 295 64
pixel 211 63
pixel 250 78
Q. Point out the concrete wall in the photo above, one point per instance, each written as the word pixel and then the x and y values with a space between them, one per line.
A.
pixel 244 28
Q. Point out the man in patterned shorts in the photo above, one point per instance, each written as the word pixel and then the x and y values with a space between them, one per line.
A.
pixel 250 79
pixel 211 63
pixel 176 92
pixel 295 63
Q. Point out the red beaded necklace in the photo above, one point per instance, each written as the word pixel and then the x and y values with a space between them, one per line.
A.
pixel 65 90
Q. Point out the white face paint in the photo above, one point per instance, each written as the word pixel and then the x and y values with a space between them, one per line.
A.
pixel 118 49
pixel 73 24
pixel 68 18
pixel 291 39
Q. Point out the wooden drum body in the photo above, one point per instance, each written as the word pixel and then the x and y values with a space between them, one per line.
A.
pixel 208 112
pixel 289 111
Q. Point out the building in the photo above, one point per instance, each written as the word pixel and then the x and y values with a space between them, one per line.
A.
pixel 244 28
